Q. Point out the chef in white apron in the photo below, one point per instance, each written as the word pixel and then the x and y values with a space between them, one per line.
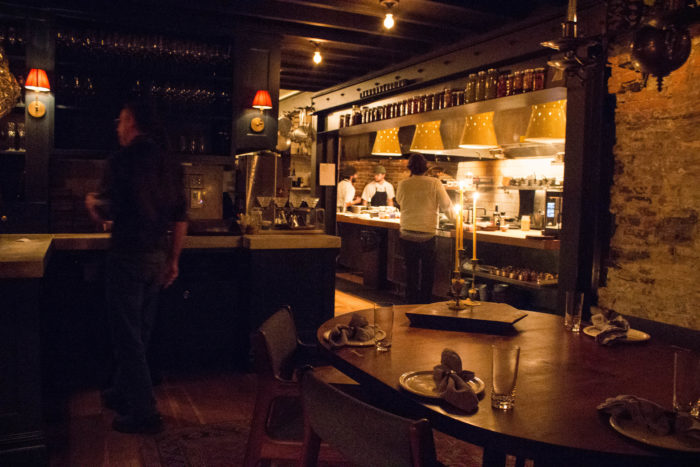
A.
pixel 378 192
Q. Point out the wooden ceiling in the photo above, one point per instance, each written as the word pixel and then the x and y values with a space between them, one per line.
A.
pixel 349 33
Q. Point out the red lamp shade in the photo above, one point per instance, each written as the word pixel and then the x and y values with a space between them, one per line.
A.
pixel 262 100
pixel 37 80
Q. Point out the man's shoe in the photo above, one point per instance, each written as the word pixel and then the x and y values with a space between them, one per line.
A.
pixel 115 401
pixel 150 424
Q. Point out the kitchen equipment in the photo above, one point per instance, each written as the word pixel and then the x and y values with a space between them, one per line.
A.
pixel 552 214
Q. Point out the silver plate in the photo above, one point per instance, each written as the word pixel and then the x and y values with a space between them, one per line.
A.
pixel 633 335
pixel 675 441
pixel 421 383
pixel 353 343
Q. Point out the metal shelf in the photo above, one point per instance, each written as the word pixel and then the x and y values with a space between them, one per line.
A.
pixel 498 104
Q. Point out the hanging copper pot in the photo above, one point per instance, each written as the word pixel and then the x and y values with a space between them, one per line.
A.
pixel 660 47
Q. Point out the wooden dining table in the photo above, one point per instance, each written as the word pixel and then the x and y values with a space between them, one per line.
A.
pixel 562 378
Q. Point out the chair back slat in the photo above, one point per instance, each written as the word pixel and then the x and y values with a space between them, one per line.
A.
pixel 280 343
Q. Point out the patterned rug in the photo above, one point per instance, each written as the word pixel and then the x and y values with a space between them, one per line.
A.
pixel 223 445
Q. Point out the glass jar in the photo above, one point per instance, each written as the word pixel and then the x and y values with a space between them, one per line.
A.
pixel 341 121
pixel 447 97
pixel 538 79
pixel 439 104
pixel 356 118
pixel 502 88
pixel 365 114
pixel 491 90
pixel 528 80
pixel 518 82
pixel 459 97
pixel 481 86
pixel 470 89
pixel 429 102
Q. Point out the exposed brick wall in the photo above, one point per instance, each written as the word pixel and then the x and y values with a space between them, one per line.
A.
pixel 654 270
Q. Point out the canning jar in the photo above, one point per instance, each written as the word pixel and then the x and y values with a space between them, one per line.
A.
pixel 538 80
pixel 470 89
pixel 502 89
pixel 491 89
pixel 481 86
pixel 447 97
pixel 518 82
pixel 528 80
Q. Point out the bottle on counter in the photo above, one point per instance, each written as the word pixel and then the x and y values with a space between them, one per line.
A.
pixel 496 218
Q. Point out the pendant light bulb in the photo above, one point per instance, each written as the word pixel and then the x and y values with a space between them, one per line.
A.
pixel 389 21
pixel 317 57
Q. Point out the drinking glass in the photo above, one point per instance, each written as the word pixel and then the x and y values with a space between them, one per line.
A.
pixel 383 325
pixel 504 373
pixel 572 312
pixel 686 382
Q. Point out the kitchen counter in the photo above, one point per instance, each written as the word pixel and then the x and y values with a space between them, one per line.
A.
pixel 509 237
pixel 290 241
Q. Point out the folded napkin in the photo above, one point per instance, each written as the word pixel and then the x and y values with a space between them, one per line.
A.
pixel 451 382
pixel 650 415
pixel 612 326
pixel 358 330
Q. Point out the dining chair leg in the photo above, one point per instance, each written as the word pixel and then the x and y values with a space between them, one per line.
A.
pixel 493 458
pixel 310 448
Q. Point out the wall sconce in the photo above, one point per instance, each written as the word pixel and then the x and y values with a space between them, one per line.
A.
pixel 547 123
pixel 427 139
pixel 387 143
pixel 37 81
pixel 479 132
pixel 262 101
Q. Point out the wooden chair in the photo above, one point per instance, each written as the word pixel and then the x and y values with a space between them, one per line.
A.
pixel 276 430
pixel 365 435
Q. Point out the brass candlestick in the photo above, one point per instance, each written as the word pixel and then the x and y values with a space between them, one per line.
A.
pixel 473 293
pixel 456 286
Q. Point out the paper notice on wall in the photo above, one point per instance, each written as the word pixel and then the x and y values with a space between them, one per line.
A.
pixel 326 174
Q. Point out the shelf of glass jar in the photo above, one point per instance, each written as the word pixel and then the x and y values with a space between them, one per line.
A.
pixel 516 101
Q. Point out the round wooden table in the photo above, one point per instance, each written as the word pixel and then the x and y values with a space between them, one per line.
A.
pixel 563 376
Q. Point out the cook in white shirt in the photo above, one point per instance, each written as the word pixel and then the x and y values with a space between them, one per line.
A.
pixel 379 192
pixel 346 191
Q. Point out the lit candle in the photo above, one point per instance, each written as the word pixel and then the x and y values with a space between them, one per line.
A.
pixel 475 197
pixel 457 235
pixel 571 12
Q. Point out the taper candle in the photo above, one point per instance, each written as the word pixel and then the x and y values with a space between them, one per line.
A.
pixel 571 11
pixel 457 216
pixel 475 197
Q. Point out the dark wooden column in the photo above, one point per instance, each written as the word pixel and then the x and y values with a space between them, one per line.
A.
pixel 39 131
pixel 256 66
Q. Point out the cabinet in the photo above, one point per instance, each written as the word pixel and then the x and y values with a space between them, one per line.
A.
pixel 189 82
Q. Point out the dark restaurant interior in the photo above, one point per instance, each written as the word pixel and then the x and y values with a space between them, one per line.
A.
pixel 564 135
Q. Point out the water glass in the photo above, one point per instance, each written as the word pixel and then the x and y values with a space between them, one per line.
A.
pixel 504 373
pixel 383 325
pixel 686 382
pixel 572 314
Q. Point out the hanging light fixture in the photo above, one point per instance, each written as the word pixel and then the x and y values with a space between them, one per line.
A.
pixel 389 17
pixel 570 63
pixel 479 132
pixel 317 58
pixel 9 89
pixel 387 143
pixel 547 123
pixel 427 139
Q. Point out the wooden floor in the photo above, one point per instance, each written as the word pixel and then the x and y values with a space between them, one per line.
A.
pixel 85 438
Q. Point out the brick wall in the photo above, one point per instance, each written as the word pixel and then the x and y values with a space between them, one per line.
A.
pixel 654 270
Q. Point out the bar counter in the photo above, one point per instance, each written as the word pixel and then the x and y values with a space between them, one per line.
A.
pixel 27 255
pixel 54 336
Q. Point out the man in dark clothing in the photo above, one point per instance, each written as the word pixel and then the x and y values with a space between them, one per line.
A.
pixel 142 193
